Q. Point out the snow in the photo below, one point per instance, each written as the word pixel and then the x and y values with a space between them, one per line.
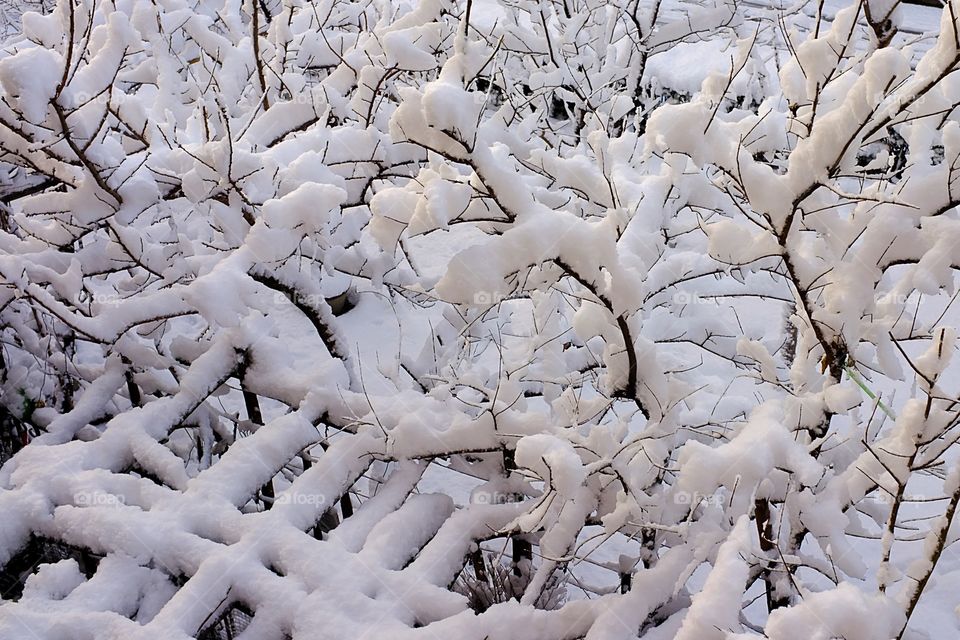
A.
pixel 844 611
pixel 31 78
pixel 734 244
pixel 713 613
pixel 318 322
pixel 684 66
pixel 555 461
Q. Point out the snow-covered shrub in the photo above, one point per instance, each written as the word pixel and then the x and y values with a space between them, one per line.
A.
pixel 311 310
pixel 12 10
pixel 488 581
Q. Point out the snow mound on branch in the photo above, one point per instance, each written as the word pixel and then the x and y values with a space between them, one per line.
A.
pixel 30 80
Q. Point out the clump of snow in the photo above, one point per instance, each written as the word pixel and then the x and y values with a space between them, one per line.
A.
pixel 30 80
